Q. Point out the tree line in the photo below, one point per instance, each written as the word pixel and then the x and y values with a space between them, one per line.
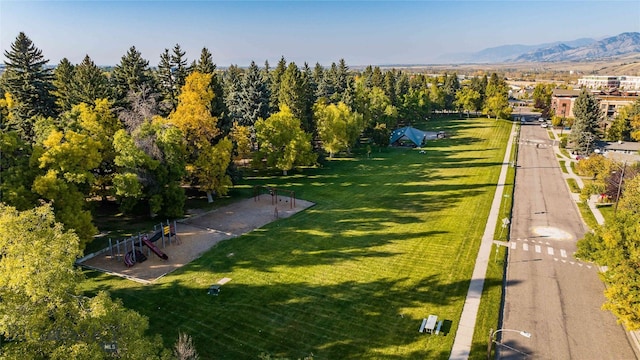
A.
pixel 138 134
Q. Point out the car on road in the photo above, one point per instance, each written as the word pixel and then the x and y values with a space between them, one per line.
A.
pixel 544 125
pixel 542 119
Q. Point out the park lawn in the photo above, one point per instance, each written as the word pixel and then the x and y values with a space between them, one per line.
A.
pixel 391 239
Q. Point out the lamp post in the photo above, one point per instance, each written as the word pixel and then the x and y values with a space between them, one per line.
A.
pixel 492 335
pixel 615 208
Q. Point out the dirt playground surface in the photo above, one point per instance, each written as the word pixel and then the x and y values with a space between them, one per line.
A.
pixel 198 234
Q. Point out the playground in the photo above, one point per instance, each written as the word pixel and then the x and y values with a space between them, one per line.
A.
pixel 195 235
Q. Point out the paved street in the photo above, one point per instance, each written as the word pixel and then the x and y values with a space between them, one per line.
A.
pixel 549 293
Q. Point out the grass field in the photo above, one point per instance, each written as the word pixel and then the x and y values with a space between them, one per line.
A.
pixel 391 239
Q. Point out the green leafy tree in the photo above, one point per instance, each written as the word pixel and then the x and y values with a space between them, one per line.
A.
pixel 68 160
pixel 241 136
pixel 468 100
pixel 338 127
pixel 615 245
pixel 30 84
pixel 542 94
pixel 415 107
pixel 437 97
pixel 16 174
pixel 381 109
pixel 585 128
pixel 210 168
pixel 63 83
pixel 44 315
pixel 282 142
pixel 89 83
pixel 497 98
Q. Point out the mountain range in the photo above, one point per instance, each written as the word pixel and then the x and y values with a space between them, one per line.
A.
pixel 575 50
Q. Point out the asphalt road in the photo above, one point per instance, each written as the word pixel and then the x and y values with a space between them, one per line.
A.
pixel 548 293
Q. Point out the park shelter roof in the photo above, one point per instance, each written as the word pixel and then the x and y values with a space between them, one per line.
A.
pixel 408 133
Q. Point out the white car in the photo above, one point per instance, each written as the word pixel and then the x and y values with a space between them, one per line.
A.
pixel 542 119
pixel 544 125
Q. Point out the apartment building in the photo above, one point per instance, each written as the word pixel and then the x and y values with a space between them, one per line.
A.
pixel 599 82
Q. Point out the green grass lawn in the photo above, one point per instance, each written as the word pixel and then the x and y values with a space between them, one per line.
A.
pixel 390 240
pixel 563 167
pixel 573 185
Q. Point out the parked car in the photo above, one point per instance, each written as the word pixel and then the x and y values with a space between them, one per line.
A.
pixel 542 119
pixel 544 125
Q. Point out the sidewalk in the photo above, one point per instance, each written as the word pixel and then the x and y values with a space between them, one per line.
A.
pixel 464 335
pixel 634 336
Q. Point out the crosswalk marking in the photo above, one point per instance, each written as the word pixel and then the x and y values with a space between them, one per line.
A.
pixel 550 251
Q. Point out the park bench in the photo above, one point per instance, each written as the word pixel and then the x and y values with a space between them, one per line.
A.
pixel 439 327
pixel 424 323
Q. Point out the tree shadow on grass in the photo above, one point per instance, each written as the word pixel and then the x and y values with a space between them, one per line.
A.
pixel 350 319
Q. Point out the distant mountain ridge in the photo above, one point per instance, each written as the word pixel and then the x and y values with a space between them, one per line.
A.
pixel 574 50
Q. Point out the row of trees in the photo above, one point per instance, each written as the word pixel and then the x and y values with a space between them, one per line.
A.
pixel 140 134
pixel 615 244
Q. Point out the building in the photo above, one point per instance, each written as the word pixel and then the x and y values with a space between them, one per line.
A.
pixel 562 102
pixel 597 82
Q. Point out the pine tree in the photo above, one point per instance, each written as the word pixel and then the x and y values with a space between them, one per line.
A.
pixel 30 84
pixel 130 74
pixel 274 85
pixel 377 78
pixel 166 82
pixel 292 93
pixel 584 131
pixel 179 65
pixel 89 83
pixel 390 86
pixel 254 97
pixel 205 65
pixel 450 87
pixel 63 82
pixel 232 93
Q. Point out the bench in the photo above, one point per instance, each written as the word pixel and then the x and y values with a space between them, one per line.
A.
pixel 424 323
pixel 439 327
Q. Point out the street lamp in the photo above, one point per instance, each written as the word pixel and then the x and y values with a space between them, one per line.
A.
pixel 492 336
pixel 615 209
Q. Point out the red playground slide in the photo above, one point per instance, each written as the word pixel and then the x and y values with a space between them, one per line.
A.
pixel 155 249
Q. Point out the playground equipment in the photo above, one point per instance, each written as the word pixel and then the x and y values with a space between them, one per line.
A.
pixel 275 195
pixel 131 248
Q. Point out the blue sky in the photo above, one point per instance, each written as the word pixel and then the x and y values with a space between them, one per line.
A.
pixel 361 32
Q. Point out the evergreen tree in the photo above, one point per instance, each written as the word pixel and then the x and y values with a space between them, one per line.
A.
pixel 450 88
pixel 390 86
pixel 233 93
pixel 205 65
pixel 324 85
pixel 30 84
pixel 274 85
pixel 89 83
pixel 377 78
pixel 366 75
pixel 179 66
pixel 293 94
pixel 402 86
pixel 130 74
pixel 166 82
pixel 254 97
pixel 63 81
pixel 308 98
pixel 584 131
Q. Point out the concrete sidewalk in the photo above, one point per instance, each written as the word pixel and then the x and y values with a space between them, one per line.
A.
pixel 464 336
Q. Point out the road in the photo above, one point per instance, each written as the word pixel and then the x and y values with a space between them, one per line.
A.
pixel 549 293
